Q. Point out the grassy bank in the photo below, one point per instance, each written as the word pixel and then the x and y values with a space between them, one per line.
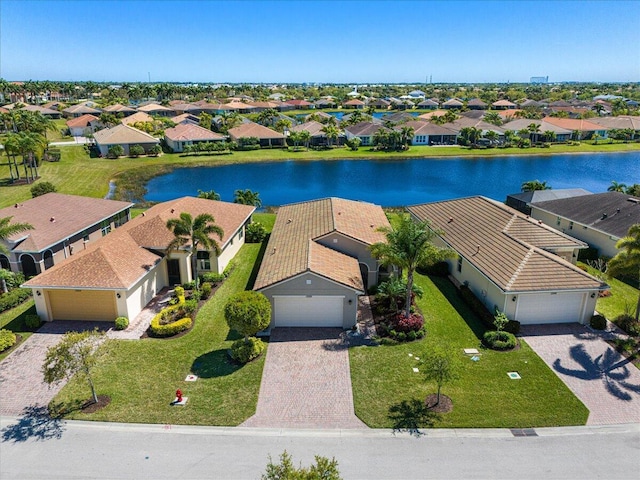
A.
pixel 78 174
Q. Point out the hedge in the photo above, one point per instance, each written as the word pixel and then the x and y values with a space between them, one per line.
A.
pixel 170 328
pixel 483 313
pixel 7 339
pixel 14 298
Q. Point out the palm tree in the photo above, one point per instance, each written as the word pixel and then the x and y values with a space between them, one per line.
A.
pixel 247 197
pixel 210 195
pixel 549 135
pixel 7 229
pixel 408 247
pixel 332 132
pixel 492 136
pixel 406 135
pixel 627 260
pixel 534 131
pixel 534 185
pixel 265 117
pixel 192 233
pixel 617 187
pixel 493 118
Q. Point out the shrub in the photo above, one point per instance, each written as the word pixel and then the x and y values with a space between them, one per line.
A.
pixel 41 188
pixel 178 292
pixel 499 340
pixel 255 232
pixel 11 279
pixel 196 295
pixel 212 278
pixel 190 306
pixel 598 322
pixel 247 313
pixel 136 150
pixel 400 323
pixel 188 285
pixel 229 268
pixel 32 321
pixel 244 352
pixel 205 290
pixel 629 324
pixel 7 339
pixel 121 323
pixel 169 329
pixel 115 151
pixel 14 298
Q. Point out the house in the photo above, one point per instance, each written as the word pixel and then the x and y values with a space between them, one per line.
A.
pixel 317 262
pixel 433 113
pixel 84 125
pixel 44 111
pixel 125 136
pixel 379 103
pixel 621 122
pixel 267 137
pixel 75 111
pixel 365 131
pixel 325 103
pixel 185 118
pixel 137 117
pixel 561 134
pixel 504 105
pixel 119 110
pixel 583 129
pixel 476 104
pixel 62 226
pixel 511 262
pixel 157 110
pixel 428 104
pixel 120 274
pixel 240 107
pixel 185 134
pixel 261 106
pixel 301 104
pixel 452 103
pixel 417 94
pixel 427 133
pixel 599 219
pixel 522 201
pixel 354 103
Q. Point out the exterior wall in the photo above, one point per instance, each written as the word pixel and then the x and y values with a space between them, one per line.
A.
pixel 104 148
pixel 131 302
pixel 353 248
pixel 312 284
pixel 233 247
pixel 42 308
pixel 606 244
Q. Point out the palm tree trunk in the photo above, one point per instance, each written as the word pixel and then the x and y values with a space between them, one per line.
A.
pixel 409 290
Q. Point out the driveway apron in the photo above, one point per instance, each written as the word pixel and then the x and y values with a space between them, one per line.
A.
pixel 306 382
pixel 607 384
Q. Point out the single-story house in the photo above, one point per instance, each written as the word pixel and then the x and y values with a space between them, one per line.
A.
pixel 44 111
pixel 427 133
pixel 123 135
pixel 185 118
pixel 157 109
pixel 562 134
pixel 365 131
pixel 379 103
pixel 522 201
pixel 120 274
pixel 585 128
pixel 137 117
pixel 512 262
pixel 325 103
pixel 354 103
pixel 185 134
pixel 301 104
pixel 318 262
pixel 504 105
pixel 79 110
pixel 599 219
pixel 62 226
pixel 428 104
pixel 621 122
pixel 261 106
pixel 453 103
pixel 476 104
pixel 240 107
pixel 83 125
pixel 119 110
pixel 267 137
pixel 318 137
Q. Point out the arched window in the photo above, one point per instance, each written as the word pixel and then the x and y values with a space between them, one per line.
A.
pixel 28 265
pixel 364 273
pixel 4 262
pixel 48 259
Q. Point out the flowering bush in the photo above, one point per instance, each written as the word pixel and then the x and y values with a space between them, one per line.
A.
pixel 413 323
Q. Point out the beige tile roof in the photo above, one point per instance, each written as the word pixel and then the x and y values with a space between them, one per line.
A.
pixel 118 108
pixel 81 108
pixel 506 246
pixel 137 117
pixel 82 121
pixel 253 130
pixel 189 131
pixel 313 127
pixel 122 134
pixel 292 249
pixel 119 259
pixel 154 107
pixel 71 214
pixel 621 122
pixel 574 124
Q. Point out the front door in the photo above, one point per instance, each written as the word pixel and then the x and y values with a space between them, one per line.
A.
pixel 173 270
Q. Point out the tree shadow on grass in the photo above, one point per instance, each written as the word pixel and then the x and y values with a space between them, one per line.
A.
pixel 409 415
pixel 256 266
pixel 449 291
pixel 35 424
pixel 214 364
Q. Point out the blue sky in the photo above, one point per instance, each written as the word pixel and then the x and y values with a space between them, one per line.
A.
pixel 329 41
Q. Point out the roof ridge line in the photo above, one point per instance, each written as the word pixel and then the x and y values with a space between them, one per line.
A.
pixel 524 261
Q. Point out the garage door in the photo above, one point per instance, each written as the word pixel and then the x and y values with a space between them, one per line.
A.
pixel 83 305
pixel 316 311
pixel 550 308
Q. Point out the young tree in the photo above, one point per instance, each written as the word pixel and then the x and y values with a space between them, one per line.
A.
pixel 77 353
pixel 205 120
pixel 323 469
pixel 627 260
pixel 247 313
pixel 136 150
pixel 439 366
pixel 192 233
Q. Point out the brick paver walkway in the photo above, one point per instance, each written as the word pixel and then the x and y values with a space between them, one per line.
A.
pixel 602 379
pixel 306 382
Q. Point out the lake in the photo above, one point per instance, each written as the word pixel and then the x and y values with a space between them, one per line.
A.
pixel 399 182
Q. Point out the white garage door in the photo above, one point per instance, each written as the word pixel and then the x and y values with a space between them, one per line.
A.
pixel 550 308
pixel 317 311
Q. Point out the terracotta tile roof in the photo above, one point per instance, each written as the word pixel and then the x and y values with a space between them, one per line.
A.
pixel 154 107
pixel 119 259
pixel 299 103
pixel 236 105
pixel 251 129
pixel 476 102
pixel 137 117
pixel 189 131
pixel 516 125
pixel 264 105
pixel 71 214
pixel 433 113
pixel 574 124
pixel 185 117
pixel 503 103
pixel 122 134
pixel 354 102
pixel 82 121
pixel 506 246
pixel 292 249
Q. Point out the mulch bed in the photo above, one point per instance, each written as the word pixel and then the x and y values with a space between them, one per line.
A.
pixel 91 407
pixel 444 406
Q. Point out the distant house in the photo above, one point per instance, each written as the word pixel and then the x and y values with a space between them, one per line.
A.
pixel 354 103
pixel 584 129
pixel 125 136
pixel 599 219
pixel 261 106
pixel 522 201
pixel 453 103
pixel 63 225
pixel 503 105
pixel 428 104
pixel 157 110
pixel 83 125
pixel 78 110
pixel 119 110
pixel 417 94
pixel 561 134
pixel 185 118
pixel 325 103
pixel 476 104
pixel 318 262
pixel 267 137
pixel 44 111
pixel 318 137
pixel 513 263
pixel 365 131
pixel 240 107
pixel 427 133
pixel 379 103
pixel 185 134
pixel 137 117
pixel 300 104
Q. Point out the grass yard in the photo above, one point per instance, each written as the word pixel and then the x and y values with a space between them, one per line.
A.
pixel 141 376
pixel 623 297
pixel 483 396
pixel 13 320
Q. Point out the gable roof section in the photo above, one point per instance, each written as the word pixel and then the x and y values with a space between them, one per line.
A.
pixel 189 131
pixel 82 109
pixel 82 121
pixel 506 246
pixel 56 217
pixel 609 212
pixel 137 117
pixel 292 249
pixel 364 129
pixel 118 108
pixel 123 134
pixel 251 129
pixel 154 107
pixel 620 122
pixel 574 124
pixel 313 127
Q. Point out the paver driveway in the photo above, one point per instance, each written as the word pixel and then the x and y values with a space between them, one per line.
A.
pixel 306 382
pixel 601 378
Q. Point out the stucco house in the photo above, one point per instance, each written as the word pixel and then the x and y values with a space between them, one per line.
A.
pixel 267 137
pixel 83 125
pixel 599 219
pixel 121 273
pixel 136 117
pixel 427 133
pixel 365 131
pixel 522 201
pixel 185 134
pixel 157 110
pixel 125 136
pixel 75 111
pixel 512 262
pixel 318 262
pixel 63 225
pixel 119 110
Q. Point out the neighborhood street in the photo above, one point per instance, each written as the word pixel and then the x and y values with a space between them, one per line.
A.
pixel 34 448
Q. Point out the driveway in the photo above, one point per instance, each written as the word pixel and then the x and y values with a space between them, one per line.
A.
pixel 306 382
pixel 607 384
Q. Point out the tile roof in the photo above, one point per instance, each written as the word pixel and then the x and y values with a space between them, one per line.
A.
pixel 313 127
pixel 574 124
pixel 236 105
pixel 71 214
pixel 189 131
pixel 137 117
pixel 544 195
pixel 453 102
pixel 119 259
pixel 609 212
pixel 292 248
pixel 428 102
pixel 82 121
pixel 433 113
pixel 476 102
pixel 252 129
pixel 185 117
pixel 118 108
pixel 428 128
pixel 521 123
pixel 122 134
pixel 364 129
pixel 299 103
pixel 81 108
pixel 154 107
pixel 506 246
pixel 503 103
pixel 620 122
pixel 354 102
pixel 40 109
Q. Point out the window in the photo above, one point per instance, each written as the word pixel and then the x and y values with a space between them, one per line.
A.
pixel 570 225
pixel 557 220
pixel 120 219
pixel 241 233
pixel 459 264
pixel 204 261
pixel 105 227
pixel 85 236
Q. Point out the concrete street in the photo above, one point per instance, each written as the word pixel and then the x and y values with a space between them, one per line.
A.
pixel 34 448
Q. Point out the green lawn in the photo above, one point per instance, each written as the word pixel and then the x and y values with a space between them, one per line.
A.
pixel 13 320
pixel 623 298
pixel 483 396
pixel 141 376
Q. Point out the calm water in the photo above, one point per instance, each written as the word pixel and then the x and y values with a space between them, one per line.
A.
pixel 399 182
